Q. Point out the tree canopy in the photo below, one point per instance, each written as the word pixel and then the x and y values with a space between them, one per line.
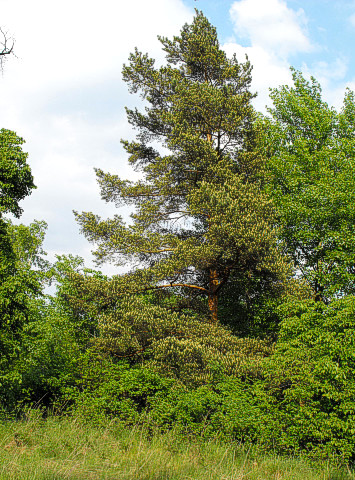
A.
pixel 16 181
pixel 17 282
pixel 311 160
pixel 200 213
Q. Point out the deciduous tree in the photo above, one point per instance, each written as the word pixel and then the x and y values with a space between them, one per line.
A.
pixel 311 151
pixel 17 282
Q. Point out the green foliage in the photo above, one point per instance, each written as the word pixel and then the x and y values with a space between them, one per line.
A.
pixel 20 284
pixel 119 391
pixel 21 300
pixel 310 379
pixel 47 364
pixel 27 243
pixel 16 181
pixel 299 399
pixel 222 408
pixel 83 319
pixel 53 342
pixel 182 345
pixel 199 212
pixel 249 305
pixel 311 159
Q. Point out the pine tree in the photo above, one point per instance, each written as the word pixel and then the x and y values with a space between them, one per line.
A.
pixel 200 214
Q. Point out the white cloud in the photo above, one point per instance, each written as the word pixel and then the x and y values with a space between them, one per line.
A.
pixel 331 77
pixel 271 25
pixel 66 42
pixel 274 32
pixel 65 96
pixel 336 70
pixel 268 70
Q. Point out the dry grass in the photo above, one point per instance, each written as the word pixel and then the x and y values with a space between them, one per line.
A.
pixel 67 449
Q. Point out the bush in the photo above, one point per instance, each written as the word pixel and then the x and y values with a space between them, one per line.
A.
pixel 117 391
pixel 46 364
pixel 224 407
pixel 309 383
pixel 220 409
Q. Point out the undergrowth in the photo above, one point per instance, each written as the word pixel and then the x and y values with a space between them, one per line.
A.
pixel 58 448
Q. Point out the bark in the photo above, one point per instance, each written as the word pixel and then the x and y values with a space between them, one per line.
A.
pixel 213 296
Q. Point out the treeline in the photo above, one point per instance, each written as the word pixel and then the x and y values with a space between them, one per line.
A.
pixel 237 317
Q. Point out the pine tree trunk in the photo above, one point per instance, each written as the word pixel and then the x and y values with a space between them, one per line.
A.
pixel 213 296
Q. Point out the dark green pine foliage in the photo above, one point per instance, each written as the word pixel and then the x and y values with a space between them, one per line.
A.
pixel 199 212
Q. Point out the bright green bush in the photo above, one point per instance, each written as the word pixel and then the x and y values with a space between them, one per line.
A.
pixel 223 408
pixel 46 364
pixel 310 379
pixel 119 391
pixel 53 341
pixel 22 280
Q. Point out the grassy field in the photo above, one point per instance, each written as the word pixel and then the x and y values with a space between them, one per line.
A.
pixel 65 448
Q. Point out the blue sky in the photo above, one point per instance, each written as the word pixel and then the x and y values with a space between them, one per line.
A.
pixel 329 24
pixel 64 94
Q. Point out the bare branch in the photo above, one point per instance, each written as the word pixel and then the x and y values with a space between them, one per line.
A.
pixel 6 46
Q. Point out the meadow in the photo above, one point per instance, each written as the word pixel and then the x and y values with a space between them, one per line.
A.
pixel 66 448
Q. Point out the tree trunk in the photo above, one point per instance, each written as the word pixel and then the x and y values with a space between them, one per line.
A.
pixel 213 296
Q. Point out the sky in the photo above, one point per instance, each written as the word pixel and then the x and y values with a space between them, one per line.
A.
pixel 63 92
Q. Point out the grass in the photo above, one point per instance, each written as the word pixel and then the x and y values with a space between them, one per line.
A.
pixel 68 449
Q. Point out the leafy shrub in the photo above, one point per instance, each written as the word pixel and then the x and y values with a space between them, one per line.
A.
pixel 310 379
pixel 117 391
pixel 46 363
pixel 223 408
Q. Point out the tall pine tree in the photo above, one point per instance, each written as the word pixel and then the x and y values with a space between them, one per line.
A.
pixel 199 213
